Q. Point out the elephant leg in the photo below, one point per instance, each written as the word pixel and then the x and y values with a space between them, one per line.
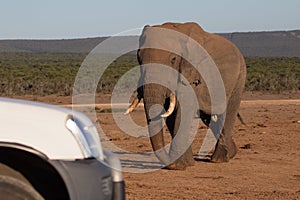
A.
pixel 157 141
pixel 186 157
pixel 226 147
pixel 155 128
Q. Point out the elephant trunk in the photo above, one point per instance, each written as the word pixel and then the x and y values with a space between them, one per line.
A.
pixel 154 102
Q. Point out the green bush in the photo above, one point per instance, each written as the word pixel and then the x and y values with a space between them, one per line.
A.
pixel 54 73
pixel 273 74
pixel 38 73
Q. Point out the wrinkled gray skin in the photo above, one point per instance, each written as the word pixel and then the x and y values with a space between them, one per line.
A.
pixel 232 68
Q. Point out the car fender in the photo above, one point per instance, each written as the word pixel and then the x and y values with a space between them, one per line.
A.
pixel 39 126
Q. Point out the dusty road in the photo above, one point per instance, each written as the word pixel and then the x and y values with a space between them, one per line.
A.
pixel 244 102
pixel 267 165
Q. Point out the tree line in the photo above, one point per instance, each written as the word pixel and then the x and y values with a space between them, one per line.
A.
pixel 54 73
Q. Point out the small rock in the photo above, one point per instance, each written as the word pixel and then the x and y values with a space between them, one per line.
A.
pixel 246 146
pixel 261 125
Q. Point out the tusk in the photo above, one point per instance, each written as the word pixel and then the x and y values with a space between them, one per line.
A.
pixel 171 107
pixel 214 118
pixel 133 105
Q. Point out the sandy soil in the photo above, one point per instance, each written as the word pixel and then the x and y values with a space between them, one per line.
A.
pixel 267 165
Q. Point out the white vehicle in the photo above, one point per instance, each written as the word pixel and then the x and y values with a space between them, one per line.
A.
pixel 49 152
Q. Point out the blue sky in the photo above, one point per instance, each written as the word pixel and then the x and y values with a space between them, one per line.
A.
pixel 41 19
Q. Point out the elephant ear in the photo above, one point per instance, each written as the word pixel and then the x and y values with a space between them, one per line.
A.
pixel 194 50
pixel 193 53
pixel 201 71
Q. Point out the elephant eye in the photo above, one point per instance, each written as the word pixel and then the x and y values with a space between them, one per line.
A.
pixel 173 59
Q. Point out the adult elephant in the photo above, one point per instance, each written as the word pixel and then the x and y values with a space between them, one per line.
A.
pixel 175 45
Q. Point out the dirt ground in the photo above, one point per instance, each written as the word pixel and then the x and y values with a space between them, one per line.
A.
pixel 267 165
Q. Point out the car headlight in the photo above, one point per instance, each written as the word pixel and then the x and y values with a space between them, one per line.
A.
pixel 87 137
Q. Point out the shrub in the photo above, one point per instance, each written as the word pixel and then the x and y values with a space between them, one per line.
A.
pixel 54 73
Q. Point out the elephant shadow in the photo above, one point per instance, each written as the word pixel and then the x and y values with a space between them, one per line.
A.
pixel 139 161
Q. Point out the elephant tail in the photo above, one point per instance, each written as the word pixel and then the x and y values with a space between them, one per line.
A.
pixel 241 119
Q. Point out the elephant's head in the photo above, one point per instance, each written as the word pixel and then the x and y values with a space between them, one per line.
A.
pixel 164 55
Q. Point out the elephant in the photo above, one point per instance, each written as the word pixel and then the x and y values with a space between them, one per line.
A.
pixel 230 65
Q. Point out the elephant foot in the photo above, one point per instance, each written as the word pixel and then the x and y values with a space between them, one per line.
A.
pixel 182 163
pixel 190 161
pixel 220 154
pixel 188 158
pixel 224 151
pixel 176 166
pixel 232 149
